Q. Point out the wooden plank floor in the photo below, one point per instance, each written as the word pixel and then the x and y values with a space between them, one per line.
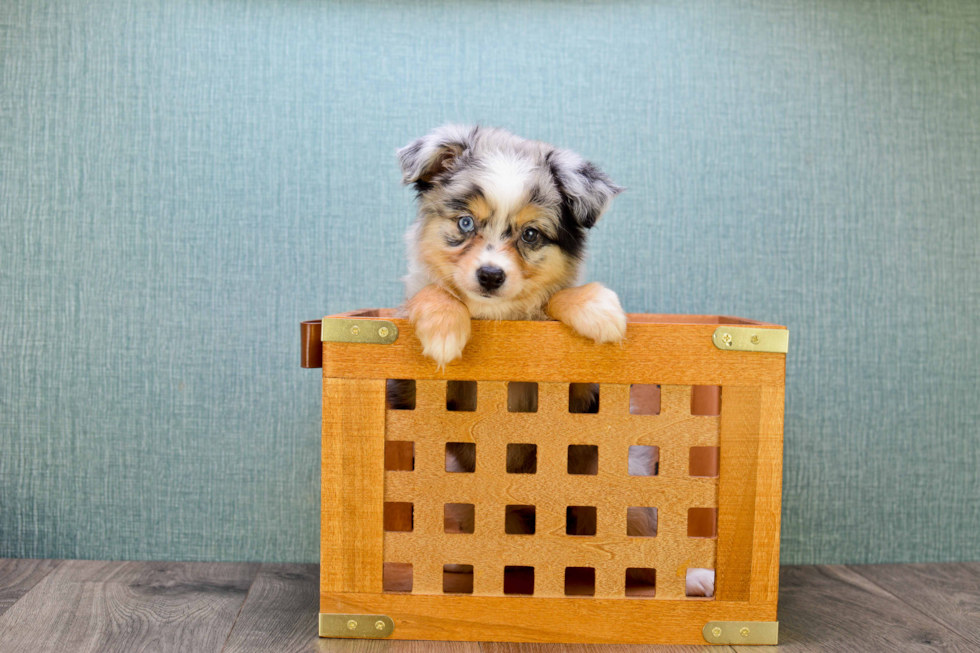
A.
pixel 88 606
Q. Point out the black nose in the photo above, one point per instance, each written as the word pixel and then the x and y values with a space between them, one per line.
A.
pixel 490 278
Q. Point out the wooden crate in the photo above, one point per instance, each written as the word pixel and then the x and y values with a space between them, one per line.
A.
pixel 676 353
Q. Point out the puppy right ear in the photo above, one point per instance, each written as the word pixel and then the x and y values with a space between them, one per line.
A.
pixel 424 158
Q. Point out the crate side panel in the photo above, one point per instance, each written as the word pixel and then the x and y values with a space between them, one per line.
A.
pixel 352 485
pixel 768 499
pixel 738 471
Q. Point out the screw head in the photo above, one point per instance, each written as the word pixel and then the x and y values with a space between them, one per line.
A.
pixel 754 340
pixel 744 632
pixel 727 339
pixel 383 332
pixel 354 330
pixel 716 631
pixel 380 625
pixel 351 625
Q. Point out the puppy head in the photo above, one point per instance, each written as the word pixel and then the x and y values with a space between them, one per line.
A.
pixel 502 221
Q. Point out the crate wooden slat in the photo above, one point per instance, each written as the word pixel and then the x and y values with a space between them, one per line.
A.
pixel 674 352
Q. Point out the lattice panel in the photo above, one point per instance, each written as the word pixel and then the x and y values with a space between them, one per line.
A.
pixel 551 489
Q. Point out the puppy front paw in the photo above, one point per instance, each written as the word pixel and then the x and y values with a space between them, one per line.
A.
pixel 592 311
pixel 441 323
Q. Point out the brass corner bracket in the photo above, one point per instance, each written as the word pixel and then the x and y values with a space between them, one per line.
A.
pixel 743 338
pixel 357 626
pixel 747 633
pixel 369 332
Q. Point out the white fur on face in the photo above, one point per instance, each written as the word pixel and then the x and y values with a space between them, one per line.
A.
pixel 493 256
pixel 505 183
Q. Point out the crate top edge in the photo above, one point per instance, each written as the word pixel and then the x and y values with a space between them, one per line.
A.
pixel 631 318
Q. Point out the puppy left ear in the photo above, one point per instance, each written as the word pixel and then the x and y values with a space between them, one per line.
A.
pixel 585 189
pixel 424 158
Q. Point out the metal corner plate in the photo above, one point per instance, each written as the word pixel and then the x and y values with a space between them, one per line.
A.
pixel 746 633
pixel 357 626
pixel 743 338
pixel 368 332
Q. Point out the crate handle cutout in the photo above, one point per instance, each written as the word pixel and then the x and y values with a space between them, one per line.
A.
pixel 732 338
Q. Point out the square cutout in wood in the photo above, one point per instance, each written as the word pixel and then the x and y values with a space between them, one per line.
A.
pixel 461 457
pixel 519 520
pixel 579 581
pixel 522 458
pixel 583 459
pixel 641 522
pixel 583 397
pixel 702 522
pixel 457 579
pixel 644 460
pixel 641 582
pixel 399 456
pixel 644 399
pixel 461 395
pixel 398 516
pixel 700 582
pixel 580 520
pixel 522 397
pixel 704 461
pixel 518 580
pixel 396 577
pixel 459 518
pixel 706 400
pixel 400 394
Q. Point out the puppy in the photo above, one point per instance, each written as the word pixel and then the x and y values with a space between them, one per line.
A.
pixel 500 235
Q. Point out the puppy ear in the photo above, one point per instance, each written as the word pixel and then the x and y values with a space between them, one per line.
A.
pixel 586 191
pixel 426 157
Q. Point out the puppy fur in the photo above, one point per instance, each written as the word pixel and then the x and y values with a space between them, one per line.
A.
pixel 500 234
pixel 492 203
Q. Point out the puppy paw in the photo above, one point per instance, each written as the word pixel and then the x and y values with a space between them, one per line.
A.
pixel 700 582
pixel 592 311
pixel 441 323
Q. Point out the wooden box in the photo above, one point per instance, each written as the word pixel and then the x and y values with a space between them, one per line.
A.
pixel 716 488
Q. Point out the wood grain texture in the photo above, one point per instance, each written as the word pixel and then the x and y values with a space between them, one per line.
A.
pixel 352 478
pixel 768 498
pixel 280 612
pixel 19 575
pixel 949 593
pixel 673 356
pixel 835 609
pixel 509 647
pixel 551 489
pixel 668 353
pixel 738 471
pixel 749 494
pixel 530 619
pixel 392 646
pixel 85 607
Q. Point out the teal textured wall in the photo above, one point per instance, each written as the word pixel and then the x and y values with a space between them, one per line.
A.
pixel 182 182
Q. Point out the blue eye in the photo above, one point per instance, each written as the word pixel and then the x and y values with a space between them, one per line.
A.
pixel 466 224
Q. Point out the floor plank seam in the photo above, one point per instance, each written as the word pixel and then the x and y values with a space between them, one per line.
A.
pixel 33 587
pixel 935 619
pixel 238 615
